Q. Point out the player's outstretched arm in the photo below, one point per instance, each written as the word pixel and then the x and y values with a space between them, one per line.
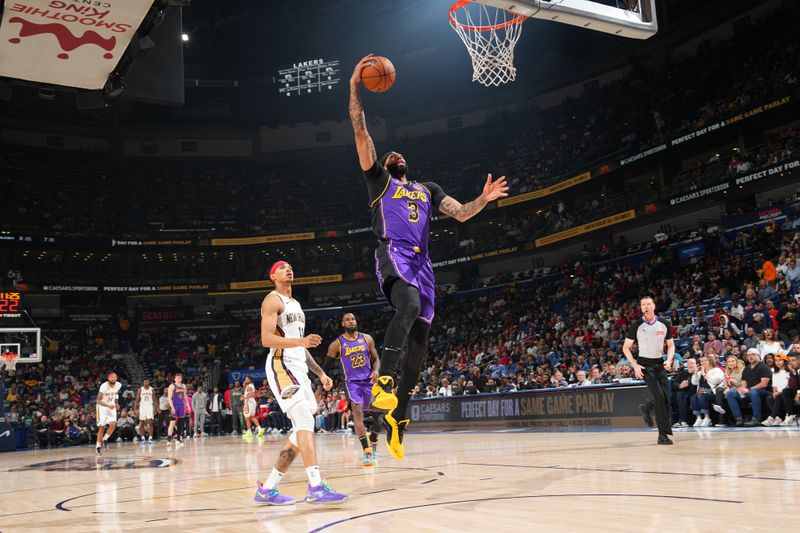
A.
pixel 366 148
pixel 270 308
pixel 492 190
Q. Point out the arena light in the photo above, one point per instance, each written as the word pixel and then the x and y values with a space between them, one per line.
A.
pixel 185 37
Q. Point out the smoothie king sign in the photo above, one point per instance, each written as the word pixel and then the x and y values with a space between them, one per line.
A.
pixel 74 43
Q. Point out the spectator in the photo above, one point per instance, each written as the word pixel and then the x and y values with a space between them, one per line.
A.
pixel 780 380
pixel 199 407
pixel 708 379
pixel 755 387
pixel 44 437
pixel 126 426
pixel 712 345
pixel 216 404
pixel 769 345
pixel 582 380
pixel 684 389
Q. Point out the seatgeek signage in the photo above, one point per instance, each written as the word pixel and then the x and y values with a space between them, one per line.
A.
pixel 73 43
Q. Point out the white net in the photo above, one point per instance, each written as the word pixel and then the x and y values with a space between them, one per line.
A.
pixel 9 357
pixel 490 34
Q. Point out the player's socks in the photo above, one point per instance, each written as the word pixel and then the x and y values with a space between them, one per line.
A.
pixel 314 477
pixel 382 395
pixel 97 449
pixel 274 479
pixel 364 442
pixel 395 429
pixel 368 460
pixel 373 437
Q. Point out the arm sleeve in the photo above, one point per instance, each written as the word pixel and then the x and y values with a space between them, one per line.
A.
pixel 377 180
pixel 437 193
pixel 632 330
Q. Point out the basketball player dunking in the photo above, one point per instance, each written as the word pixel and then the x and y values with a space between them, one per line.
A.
pixel 177 408
pixel 107 410
pixel 401 216
pixel 143 406
pixel 283 332
pixel 249 409
pixel 356 351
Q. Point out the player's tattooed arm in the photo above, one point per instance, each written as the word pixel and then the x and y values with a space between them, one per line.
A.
pixel 367 155
pixel 313 366
pixel 492 190
pixel 326 381
pixel 462 212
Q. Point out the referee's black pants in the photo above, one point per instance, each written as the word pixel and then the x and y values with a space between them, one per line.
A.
pixel 658 388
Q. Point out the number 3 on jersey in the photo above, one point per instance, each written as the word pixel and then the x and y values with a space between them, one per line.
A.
pixel 413 211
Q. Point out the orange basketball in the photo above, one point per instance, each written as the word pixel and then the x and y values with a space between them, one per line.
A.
pixel 379 75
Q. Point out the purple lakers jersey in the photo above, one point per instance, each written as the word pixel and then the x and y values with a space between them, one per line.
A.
pixel 179 397
pixel 355 358
pixel 401 212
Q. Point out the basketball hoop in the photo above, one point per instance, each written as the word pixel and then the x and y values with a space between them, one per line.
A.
pixel 490 34
pixel 8 359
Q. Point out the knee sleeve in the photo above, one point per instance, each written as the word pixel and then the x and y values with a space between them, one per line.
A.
pixel 301 417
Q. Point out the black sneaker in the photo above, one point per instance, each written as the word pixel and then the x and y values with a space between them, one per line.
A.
pixel 663 439
pixel 646 415
pixel 739 422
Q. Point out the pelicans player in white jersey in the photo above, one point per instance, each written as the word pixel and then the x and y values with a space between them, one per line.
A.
pixel 143 406
pixel 283 332
pixel 249 409
pixel 107 410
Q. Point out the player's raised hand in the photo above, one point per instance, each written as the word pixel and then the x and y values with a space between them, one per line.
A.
pixel 495 189
pixel 311 341
pixel 355 79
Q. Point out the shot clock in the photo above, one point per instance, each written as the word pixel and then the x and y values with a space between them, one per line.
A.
pixel 10 304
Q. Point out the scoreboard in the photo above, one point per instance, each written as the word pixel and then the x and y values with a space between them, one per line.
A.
pixel 10 305
pixel 306 77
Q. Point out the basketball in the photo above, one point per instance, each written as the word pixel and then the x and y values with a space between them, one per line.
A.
pixel 379 76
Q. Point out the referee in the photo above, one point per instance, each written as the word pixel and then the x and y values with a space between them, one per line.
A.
pixel 650 334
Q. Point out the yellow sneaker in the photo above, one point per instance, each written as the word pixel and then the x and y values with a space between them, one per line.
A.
pixel 382 395
pixel 394 435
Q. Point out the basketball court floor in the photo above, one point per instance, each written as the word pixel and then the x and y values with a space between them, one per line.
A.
pixel 710 480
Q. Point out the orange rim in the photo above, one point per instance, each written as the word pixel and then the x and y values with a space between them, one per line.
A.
pixel 461 3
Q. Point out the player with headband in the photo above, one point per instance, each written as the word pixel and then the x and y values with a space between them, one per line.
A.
pixel 283 332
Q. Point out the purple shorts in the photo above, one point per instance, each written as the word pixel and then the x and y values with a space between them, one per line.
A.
pixel 359 391
pixel 180 411
pixel 393 262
